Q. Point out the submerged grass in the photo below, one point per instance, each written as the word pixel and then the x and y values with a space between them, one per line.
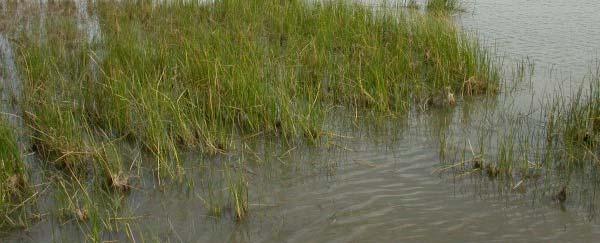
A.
pixel 522 149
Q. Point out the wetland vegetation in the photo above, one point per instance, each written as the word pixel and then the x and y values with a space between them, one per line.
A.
pixel 546 146
pixel 14 190
pixel 115 96
pixel 182 76
pixel 441 6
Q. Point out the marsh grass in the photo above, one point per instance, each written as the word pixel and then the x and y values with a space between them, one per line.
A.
pixel 97 213
pixel 187 76
pixel 14 188
pixel 238 191
pixel 581 121
pixel 551 146
pixel 171 85
pixel 224 191
pixel 411 4
pixel 443 6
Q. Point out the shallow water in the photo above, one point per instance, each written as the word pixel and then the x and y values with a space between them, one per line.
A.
pixel 559 36
pixel 379 185
pixel 558 33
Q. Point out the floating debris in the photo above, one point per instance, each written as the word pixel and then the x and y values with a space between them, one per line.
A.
pixel 82 214
pixel 120 182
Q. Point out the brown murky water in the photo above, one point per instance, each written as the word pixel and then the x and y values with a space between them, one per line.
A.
pixel 378 184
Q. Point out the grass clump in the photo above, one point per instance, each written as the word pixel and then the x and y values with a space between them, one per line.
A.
pixel 238 192
pixel 57 77
pixel 167 84
pixel 443 6
pixel 14 186
pixel 515 149
pixel 411 4
pixel 575 124
pixel 162 85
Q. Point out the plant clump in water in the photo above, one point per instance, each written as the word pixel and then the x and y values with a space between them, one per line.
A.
pixel 157 83
pixel 443 6
pixel 169 84
pixel 14 188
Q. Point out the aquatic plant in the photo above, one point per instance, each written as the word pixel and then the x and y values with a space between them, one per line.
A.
pixel 411 4
pixel 14 185
pixel 89 208
pixel 523 149
pixel 581 119
pixel 169 85
pixel 443 6
pixel 238 191
pixel 155 82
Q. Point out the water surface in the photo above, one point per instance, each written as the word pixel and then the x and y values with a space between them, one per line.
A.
pixel 379 183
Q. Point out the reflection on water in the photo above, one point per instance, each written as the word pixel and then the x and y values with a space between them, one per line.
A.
pixel 88 24
pixel 11 88
pixel 375 182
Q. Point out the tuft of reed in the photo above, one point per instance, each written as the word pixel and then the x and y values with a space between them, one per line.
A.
pixel 89 208
pixel 411 4
pixel 15 191
pixel 443 6
pixel 573 123
pixel 226 190
pixel 238 191
pixel 581 120
pixel 522 149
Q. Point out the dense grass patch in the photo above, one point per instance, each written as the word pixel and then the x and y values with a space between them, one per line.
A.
pixel 13 187
pixel 443 6
pixel 197 75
